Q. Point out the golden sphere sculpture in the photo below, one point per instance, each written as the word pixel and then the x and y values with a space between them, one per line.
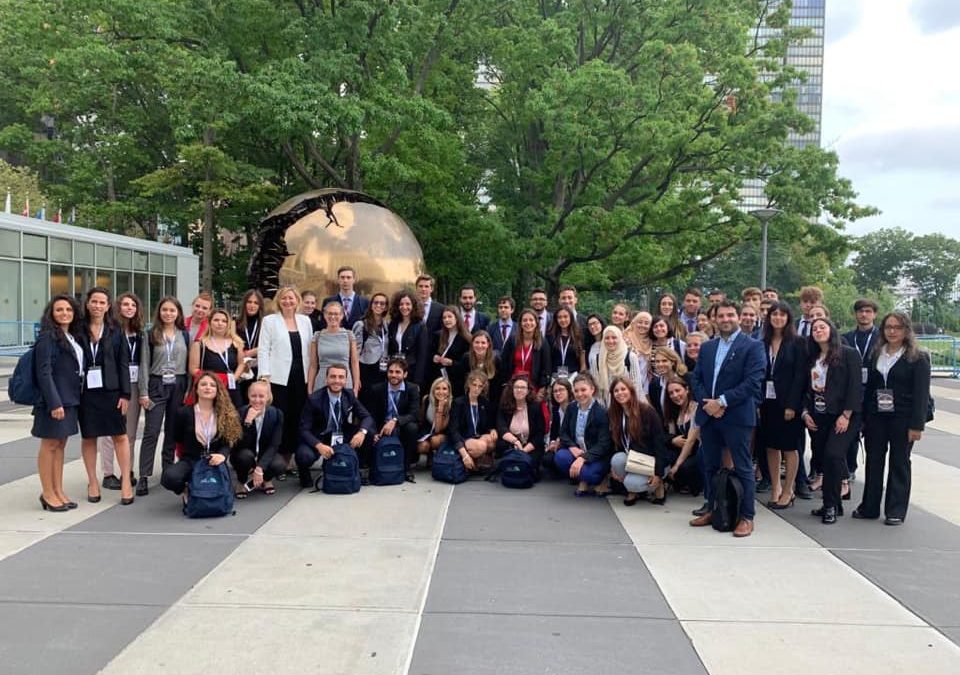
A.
pixel 306 239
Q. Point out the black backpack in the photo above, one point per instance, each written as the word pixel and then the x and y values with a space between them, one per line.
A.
pixel 727 497
pixel 389 463
pixel 515 470
pixel 341 473
pixel 448 465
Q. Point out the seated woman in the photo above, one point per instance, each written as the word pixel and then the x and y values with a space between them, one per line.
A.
pixel 683 465
pixel 666 362
pixel 471 429
pixel 255 457
pixel 634 425
pixel 204 431
pixel 434 417
pixel 561 393
pixel 520 422
pixel 585 445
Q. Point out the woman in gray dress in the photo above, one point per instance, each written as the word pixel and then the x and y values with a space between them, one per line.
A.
pixel 333 344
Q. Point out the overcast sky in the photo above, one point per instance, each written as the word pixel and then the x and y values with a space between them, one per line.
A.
pixel 891 109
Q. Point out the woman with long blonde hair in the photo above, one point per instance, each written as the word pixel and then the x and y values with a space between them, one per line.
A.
pixel 217 350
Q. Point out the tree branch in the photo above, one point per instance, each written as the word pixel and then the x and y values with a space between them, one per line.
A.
pixel 300 167
pixel 326 166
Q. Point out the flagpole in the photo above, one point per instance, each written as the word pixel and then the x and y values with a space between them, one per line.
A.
pixel 8 205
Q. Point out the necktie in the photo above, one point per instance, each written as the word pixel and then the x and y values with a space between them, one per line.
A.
pixel 394 407
pixel 336 416
pixel 466 320
pixel 346 306
pixel 503 332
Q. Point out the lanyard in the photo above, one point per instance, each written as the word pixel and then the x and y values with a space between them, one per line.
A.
pixel 474 417
pixel 890 360
pixel 168 348
pixel 866 346
pixel 525 356
pixel 394 395
pixel 225 357
pixel 773 356
pixel 132 345
pixel 209 430
pixel 626 436
pixel 95 346
pixel 251 336
pixel 564 346
pixel 258 422
pixel 335 414
pixel 449 345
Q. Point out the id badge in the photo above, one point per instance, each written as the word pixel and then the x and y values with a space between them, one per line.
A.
pixel 134 373
pixel 819 403
pixel 168 377
pixel 563 372
pixel 771 391
pixel 336 439
pixel 864 374
pixel 383 363
pixel 231 381
pixel 95 378
pixel 884 400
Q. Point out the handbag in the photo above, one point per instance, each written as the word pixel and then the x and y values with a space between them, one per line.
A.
pixel 640 463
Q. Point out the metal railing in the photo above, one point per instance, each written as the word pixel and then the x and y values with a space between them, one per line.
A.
pixel 17 336
pixel 944 350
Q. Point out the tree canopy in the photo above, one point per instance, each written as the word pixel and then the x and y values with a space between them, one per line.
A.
pixel 597 142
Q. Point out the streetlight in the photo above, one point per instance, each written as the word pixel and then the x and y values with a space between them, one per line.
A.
pixel 764 216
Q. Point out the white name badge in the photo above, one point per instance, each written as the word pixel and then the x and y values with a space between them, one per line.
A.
pixel 383 363
pixel 864 374
pixel 134 373
pixel 771 391
pixel 819 403
pixel 168 377
pixel 95 378
pixel 231 381
pixel 336 439
pixel 884 400
pixel 563 372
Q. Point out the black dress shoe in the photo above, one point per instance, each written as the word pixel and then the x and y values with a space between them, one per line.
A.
pixel 47 506
pixel 70 505
pixel 111 482
pixel 93 499
pixel 860 515
pixel 893 521
pixel 819 513
pixel 702 510
pixel 126 501
pixel 142 488
pixel 829 516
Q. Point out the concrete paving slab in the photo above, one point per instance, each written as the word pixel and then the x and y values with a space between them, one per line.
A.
pixel 471 644
pixel 939 446
pixel 801 649
pixel 946 421
pixel 21 444
pixel 405 512
pixel 926 584
pixel 88 568
pixel 21 511
pixel 321 573
pixel 548 512
pixel 669 525
pixel 935 487
pixel 544 579
pixel 951 632
pixel 86 637
pixel 12 542
pixel 161 512
pixel 726 584
pixel 269 640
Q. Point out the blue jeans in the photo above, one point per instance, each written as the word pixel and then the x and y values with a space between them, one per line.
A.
pixel 591 473
pixel 714 437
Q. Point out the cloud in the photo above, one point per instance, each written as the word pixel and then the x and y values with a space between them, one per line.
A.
pixel 934 148
pixel 935 16
pixel 841 20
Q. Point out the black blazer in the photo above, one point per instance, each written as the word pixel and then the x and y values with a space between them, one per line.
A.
pixel 596 436
pixel 316 415
pixel 654 390
pixel 57 371
pixel 910 383
pixel 408 404
pixel 115 359
pixel 843 390
pixel 185 435
pixel 787 375
pixel 433 317
pixel 457 349
pixel 480 320
pixel 652 440
pixel 459 428
pixel 573 355
pixel 271 435
pixel 357 310
pixel 541 368
pixel 496 336
pixel 556 422
pixel 414 347
pixel 534 419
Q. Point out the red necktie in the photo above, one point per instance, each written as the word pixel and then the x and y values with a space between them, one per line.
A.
pixel 466 321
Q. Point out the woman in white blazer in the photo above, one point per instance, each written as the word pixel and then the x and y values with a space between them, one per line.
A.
pixel 283 360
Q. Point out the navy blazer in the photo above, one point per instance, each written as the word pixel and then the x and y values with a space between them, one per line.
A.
pixel 843 389
pixel 457 349
pixel 910 383
pixel 788 374
pixel 116 359
pixel 57 371
pixel 496 336
pixel 480 320
pixel 541 366
pixel 271 435
pixel 316 415
pixel 408 404
pixel 596 436
pixel 459 428
pixel 739 381
pixel 415 346
pixel 185 435
pixel 358 309
pixel 432 319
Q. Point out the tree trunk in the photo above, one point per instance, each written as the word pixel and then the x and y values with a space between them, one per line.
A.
pixel 206 258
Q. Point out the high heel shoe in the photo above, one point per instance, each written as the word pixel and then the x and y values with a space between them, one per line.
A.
pixel 70 504
pixel 779 506
pixel 47 506
pixel 126 501
pixel 93 499
pixel 845 491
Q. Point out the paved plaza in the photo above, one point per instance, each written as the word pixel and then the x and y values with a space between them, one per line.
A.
pixel 429 579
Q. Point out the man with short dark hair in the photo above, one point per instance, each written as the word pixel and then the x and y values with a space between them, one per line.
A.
pixel 749 321
pixel 501 331
pixel 432 311
pixel 771 293
pixel 692 301
pixel 395 406
pixel 751 295
pixel 809 296
pixel 716 296
pixel 863 338
pixel 727 385
pixel 332 415
pixel 568 298
pixel 473 319
pixel 538 303
pixel 354 305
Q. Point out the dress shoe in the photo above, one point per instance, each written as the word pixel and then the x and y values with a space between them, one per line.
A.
pixel 70 505
pixel 111 482
pixel 893 521
pixel 702 521
pixel 126 501
pixel 779 506
pixel 93 499
pixel 142 488
pixel 47 506
pixel 703 509
pixel 744 528
pixel 819 513
pixel 860 515
pixel 829 515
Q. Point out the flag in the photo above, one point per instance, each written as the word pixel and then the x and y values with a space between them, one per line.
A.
pixel 58 216
pixel 7 206
pixel 26 208
pixel 73 215
pixel 42 213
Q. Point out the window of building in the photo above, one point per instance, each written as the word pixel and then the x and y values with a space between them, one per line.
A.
pixel 105 256
pixel 34 246
pixel 139 262
pixel 61 250
pixel 83 253
pixel 10 243
pixel 124 259
pixel 156 262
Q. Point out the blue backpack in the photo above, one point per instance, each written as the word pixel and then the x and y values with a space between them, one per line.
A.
pixel 23 388
pixel 389 462
pixel 211 491
pixel 341 473
pixel 448 465
pixel 516 470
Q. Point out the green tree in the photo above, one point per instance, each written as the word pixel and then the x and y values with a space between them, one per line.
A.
pixel 881 257
pixel 21 183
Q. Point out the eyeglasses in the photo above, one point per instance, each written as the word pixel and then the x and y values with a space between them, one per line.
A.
pixel 378 302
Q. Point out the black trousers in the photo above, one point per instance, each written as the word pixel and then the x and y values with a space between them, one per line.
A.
pixel 408 434
pixel 306 456
pixel 886 433
pixel 244 461
pixel 290 399
pixel 176 477
pixel 831 449
pixel 167 400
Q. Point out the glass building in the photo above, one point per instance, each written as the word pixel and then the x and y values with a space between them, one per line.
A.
pixel 806 56
pixel 39 259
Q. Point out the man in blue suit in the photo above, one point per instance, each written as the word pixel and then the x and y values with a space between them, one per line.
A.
pixel 354 305
pixel 727 385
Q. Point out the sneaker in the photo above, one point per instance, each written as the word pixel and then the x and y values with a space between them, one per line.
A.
pixel 142 488
pixel 111 482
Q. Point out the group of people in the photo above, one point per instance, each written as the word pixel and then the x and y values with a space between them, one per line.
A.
pixel 638 403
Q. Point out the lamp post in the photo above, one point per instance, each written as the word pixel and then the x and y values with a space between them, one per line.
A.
pixel 764 216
